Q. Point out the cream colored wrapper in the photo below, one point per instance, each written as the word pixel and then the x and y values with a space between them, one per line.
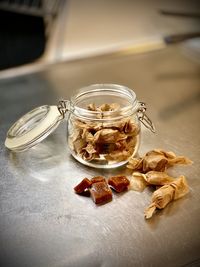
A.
pixel 157 160
pixel 167 193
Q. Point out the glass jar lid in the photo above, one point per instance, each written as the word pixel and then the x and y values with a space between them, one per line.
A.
pixel 33 127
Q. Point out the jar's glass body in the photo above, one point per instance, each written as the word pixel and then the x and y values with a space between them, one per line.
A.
pixel 103 127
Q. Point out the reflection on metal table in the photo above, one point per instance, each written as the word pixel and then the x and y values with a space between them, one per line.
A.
pixel 44 223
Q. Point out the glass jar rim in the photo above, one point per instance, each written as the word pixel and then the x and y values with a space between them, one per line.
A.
pixel 107 115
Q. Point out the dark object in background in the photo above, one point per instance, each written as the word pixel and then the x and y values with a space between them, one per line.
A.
pixel 185 14
pixel 177 38
pixel 22 39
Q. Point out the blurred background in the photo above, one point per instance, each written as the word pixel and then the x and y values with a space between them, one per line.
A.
pixel 41 32
pixel 50 48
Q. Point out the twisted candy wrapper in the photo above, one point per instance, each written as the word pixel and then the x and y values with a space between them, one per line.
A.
pixel 156 160
pixel 167 193
pixel 139 180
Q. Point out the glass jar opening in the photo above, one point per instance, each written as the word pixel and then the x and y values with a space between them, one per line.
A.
pixel 103 102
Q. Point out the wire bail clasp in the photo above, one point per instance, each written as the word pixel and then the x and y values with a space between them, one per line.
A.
pixel 63 107
pixel 145 120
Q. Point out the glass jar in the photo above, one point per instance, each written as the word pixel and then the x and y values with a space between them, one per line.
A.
pixel 103 125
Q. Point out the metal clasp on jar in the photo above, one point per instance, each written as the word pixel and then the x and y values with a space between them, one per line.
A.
pixel 145 120
pixel 63 107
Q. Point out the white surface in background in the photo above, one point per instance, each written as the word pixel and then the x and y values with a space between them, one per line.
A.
pixel 93 26
pixel 191 48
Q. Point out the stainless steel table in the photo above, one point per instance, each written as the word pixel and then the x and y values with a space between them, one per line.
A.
pixel 42 221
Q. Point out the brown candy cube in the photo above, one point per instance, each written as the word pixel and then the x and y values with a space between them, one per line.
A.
pixel 100 192
pixel 82 186
pixel 119 183
pixel 97 179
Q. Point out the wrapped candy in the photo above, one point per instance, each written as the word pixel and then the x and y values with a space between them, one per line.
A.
pixel 109 107
pixel 156 160
pixel 167 193
pixel 104 107
pixel 135 164
pixel 108 136
pixel 89 152
pixel 140 180
pixel 105 140
pixel 130 128
pixel 158 178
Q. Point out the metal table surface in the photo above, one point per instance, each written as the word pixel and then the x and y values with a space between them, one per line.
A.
pixel 44 223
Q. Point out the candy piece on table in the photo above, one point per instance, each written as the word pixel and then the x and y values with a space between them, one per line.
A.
pixel 100 192
pixel 97 179
pixel 135 164
pixel 82 186
pixel 156 160
pixel 181 160
pixel 167 193
pixel 119 183
pixel 138 182
pixel 158 178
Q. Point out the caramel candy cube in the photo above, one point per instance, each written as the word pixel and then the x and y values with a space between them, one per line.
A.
pixel 119 183
pixel 82 186
pixel 97 179
pixel 100 192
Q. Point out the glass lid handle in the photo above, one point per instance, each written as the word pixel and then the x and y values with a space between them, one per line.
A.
pixel 63 107
pixel 145 120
